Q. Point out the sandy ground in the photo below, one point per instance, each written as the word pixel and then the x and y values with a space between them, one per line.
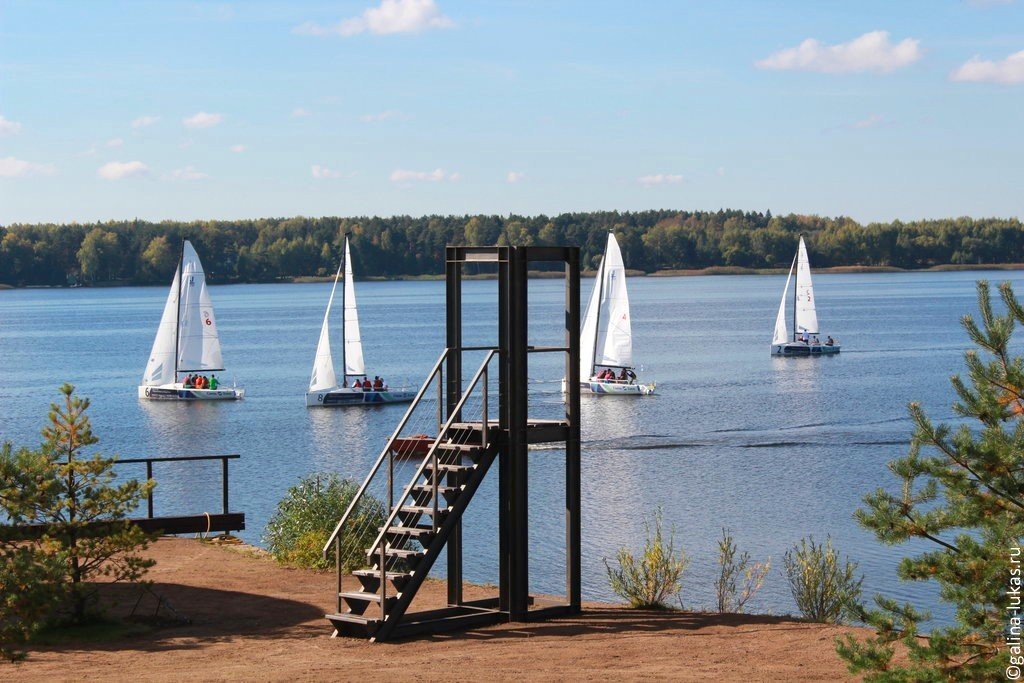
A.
pixel 255 620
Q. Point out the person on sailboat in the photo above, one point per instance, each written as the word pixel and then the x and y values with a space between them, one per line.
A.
pixel 804 338
pixel 378 383
pixel 214 381
pixel 830 341
pixel 187 382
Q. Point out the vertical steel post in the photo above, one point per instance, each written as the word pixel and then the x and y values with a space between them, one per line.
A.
pixel 504 456
pixel 453 341
pixel 573 551
pixel 519 547
pixel 224 484
pixel 337 567
pixel 149 495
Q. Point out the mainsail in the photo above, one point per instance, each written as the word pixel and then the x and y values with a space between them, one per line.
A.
pixel 323 376
pixel 354 364
pixel 198 343
pixel 160 369
pixel 806 317
pixel 781 335
pixel 607 338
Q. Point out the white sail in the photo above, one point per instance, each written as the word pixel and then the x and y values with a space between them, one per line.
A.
pixel 606 337
pixel 615 329
pixel 160 369
pixel 323 376
pixel 589 332
pixel 781 335
pixel 198 343
pixel 806 317
pixel 354 364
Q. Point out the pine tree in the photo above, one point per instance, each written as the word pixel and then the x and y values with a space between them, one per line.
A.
pixel 962 491
pixel 82 512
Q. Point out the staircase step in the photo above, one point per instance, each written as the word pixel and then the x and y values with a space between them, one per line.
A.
pixel 417 531
pixel 354 625
pixel 443 490
pixel 397 552
pixel 362 595
pixel 424 509
pixel 375 573
pixel 449 467
pixel 460 447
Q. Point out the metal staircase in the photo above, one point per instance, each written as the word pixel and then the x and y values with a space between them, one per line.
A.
pixel 422 517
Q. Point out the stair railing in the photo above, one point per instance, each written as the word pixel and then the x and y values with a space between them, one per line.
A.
pixel 379 544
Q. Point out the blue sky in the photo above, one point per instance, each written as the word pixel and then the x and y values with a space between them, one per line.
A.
pixel 190 110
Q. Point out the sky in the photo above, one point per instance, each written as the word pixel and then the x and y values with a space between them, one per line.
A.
pixel 876 110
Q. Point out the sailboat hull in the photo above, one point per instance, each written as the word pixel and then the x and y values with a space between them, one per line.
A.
pixel 176 392
pixel 615 388
pixel 356 397
pixel 798 349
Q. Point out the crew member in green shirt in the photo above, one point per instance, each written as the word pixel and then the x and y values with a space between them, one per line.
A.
pixel 213 381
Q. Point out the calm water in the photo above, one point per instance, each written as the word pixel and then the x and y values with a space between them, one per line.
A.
pixel 775 449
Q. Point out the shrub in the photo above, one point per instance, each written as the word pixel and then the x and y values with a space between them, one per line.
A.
pixel 307 515
pixel 738 579
pixel 648 581
pixel 823 587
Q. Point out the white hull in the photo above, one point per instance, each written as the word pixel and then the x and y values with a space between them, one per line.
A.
pixel 615 388
pixel 795 349
pixel 177 392
pixel 356 397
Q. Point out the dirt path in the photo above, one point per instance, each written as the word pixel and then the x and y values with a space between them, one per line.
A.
pixel 254 620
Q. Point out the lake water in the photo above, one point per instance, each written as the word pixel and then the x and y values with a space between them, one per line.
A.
pixel 775 449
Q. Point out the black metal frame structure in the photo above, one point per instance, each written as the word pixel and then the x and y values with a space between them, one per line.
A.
pixel 515 429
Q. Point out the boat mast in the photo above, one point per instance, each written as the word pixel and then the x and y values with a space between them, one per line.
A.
pixel 177 311
pixel 796 284
pixel 344 289
pixel 600 296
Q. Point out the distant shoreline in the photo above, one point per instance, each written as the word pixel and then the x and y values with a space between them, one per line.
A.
pixel 542 275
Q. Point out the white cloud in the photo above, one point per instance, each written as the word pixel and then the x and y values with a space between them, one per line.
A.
pixel 117 170
pixel 19 168
pixel 202 120
pixel 660 179
pixel 514 176
pixel 300 113
pixel 322 172
pixel 438 175
pixel 387 115
pixel 144 121
pixel 871 52
pixel 870 121
pixel 188 173
pixel 391 16
pixel 977 70
pixel 115 142
pixel 238 149
pixel 8 127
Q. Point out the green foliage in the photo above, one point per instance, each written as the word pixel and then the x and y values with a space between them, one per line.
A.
pixel 83 516
pixel 264 249
pixel 823 587
pixel 962 492
pixel 307 515
pixel 650 580
pixel 739 579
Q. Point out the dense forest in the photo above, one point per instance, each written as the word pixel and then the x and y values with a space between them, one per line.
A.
pixel 268 249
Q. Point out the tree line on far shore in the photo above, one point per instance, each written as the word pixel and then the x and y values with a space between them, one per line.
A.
pixel 267 249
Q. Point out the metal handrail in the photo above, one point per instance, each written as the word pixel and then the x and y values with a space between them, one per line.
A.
pixel 384 453
pixel 431 456
pixel 185 458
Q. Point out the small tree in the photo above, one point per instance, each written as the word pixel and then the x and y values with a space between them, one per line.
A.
pixel 963 493
pixel 823 587
pixel 82 513
pixel 738 579
pixel 649 581
pixel 307 515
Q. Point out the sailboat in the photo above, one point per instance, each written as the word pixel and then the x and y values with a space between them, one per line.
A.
pixel 323 383
pixel 606 340
pixel 186 340
pixel 804 340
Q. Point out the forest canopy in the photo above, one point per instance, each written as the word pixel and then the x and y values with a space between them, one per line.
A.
pixel 267 249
